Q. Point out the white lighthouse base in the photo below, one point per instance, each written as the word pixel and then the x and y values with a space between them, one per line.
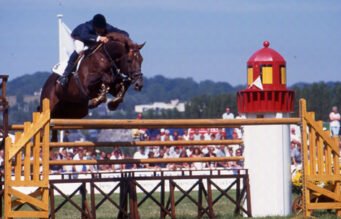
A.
pixel 267 156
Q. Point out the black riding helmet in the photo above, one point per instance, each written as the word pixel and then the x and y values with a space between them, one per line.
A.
pixel 99 21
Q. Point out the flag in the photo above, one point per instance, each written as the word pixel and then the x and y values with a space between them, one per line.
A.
pixel 257 83
pixel 66 44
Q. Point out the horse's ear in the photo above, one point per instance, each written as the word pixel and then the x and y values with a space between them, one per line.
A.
pixel 140 46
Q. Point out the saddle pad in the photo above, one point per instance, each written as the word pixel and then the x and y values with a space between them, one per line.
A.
pixel 60 67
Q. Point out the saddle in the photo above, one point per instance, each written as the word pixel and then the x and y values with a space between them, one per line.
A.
pixel 59 68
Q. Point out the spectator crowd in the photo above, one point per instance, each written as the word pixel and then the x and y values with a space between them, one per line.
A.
pixel 162 135
pixel 176 151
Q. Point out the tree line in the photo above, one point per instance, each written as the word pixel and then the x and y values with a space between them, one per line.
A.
pixel 205 99
pixel 320 98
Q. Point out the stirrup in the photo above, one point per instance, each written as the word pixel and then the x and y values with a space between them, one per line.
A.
pixel 63 81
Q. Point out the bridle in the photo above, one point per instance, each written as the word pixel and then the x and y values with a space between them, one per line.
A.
pixel 130 77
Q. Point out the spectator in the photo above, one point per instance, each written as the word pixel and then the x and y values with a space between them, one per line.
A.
pixel 220 152
pixel 196 135
pixel 292 153
pixel 77 152
pixel 183 154
pixel 186 135
pixel 152 165
pixel 97 154
pixel 94 156
pixel 229 153
pixel 176 135
pixel 53 168
pixel 162 134
pixel 240 163
pixel 207 135
pixel 161 155
pixel 235 147
pixel 156 150
pixel 152 133
pixel 334 117
pixel 139 134
pixel 294 137
pixel 168 136
pixel 296 155
pixel 211 154
pixel 66 136
pixel 68 168
pixel 219 134
pixel 204 150
pixel 175 152
pixel 239 131
pixel 62 154
pixel 128 166
pixel 116 155
pixel 140 154
pixel 103 156
pixel 80 168
pixel 197 153
pixel 228 115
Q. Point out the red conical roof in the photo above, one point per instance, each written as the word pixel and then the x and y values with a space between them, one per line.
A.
pixel 266 55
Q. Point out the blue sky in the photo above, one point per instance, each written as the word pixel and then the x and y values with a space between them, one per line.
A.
pixel 193 38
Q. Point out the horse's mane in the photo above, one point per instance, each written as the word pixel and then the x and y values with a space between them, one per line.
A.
pixel 120 37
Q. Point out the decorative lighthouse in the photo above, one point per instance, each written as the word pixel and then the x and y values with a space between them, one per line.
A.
pixel 267 147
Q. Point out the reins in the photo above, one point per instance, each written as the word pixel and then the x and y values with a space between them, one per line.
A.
pixel 115 71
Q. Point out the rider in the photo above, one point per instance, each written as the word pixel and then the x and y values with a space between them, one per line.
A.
pixel 85 36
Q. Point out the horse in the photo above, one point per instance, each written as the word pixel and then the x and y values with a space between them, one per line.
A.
pixel 108 68
pixel 109 64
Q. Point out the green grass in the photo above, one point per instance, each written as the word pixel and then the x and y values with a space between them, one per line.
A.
pixel 185 209
pixel 149 210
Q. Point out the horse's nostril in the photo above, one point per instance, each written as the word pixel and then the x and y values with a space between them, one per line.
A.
pixel 138 87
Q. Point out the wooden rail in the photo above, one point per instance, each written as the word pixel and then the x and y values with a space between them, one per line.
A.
pixel 62 124
pixel 145 161
pixel 143 143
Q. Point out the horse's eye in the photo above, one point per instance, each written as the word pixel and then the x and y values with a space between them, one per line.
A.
pixel 130 61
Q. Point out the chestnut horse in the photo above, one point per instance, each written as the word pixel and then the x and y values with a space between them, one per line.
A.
pixel 109 68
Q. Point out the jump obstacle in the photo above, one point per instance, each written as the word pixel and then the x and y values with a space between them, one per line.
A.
pixel 320 154
pixel 324 166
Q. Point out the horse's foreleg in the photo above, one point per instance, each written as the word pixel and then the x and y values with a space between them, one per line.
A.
pixel 101 98
pixel 112 105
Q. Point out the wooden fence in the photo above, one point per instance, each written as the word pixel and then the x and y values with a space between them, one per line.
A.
pixel 320 156
pixel 321 165
pixel 33 171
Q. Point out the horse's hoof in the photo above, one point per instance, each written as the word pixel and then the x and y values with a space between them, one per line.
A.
pixel 112 105
pixel 93 103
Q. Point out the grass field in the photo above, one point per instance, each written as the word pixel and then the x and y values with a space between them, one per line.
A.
pixel 149 210
pixel 186 209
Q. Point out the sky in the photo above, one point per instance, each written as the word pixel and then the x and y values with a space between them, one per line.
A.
pixel 204 40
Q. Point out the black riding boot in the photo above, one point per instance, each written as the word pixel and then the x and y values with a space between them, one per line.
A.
pixel 63 80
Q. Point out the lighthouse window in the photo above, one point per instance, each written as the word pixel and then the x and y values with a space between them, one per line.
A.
pixel 249 75
pixel 283 75
pixel 267 74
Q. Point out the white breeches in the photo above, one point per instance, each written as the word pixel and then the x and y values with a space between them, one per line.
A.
pixel 79 46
